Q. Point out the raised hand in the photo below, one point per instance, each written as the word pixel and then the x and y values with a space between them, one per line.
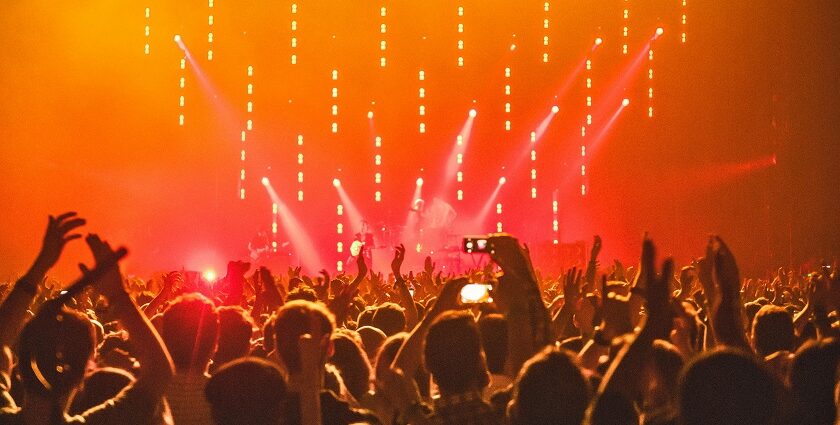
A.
pixel 571 285
pixel 726 308
pixel 658 294
pixel 293 272
pixel 326 275
pixel 429 266
pixel 449 297
pixel 111 284
pixel 321 288
pixel 56 237
pixel 705 266
pixel 340 303
pixel 596 248
pixel 362 268
pixel 172 282
pixel 726 275
pixel 620 272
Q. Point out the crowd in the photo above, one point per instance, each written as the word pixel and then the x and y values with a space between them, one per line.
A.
pixel 604 345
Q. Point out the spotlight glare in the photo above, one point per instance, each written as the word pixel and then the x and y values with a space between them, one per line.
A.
pixel 512 47
pixel 473 113
pixel 419 181
pixel 370 115
pixel 625 102
pixel 502 181
pixel 336 182
pixel 264 181
pixel 177 38
pixel 210 275
pixel 660 31
pixel 555 109
pixel 598 41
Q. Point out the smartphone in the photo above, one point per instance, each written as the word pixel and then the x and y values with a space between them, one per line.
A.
pixel 473 244
pixel 476 293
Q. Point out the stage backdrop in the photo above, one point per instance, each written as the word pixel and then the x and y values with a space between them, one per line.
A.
pixel 163 141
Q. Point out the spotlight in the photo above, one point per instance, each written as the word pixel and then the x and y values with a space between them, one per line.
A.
pixel 625 102
pixel 336 182
pixel 473 113
pixel 419 181
pixel 598 41
pixel 512 47
pixel 210 275
pixel 555 109
pixel 370 115
pixel 177 38
pixel 502 181
pixel 660 31
pixel 264 181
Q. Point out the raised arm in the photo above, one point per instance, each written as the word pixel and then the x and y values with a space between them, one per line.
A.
pixel 626 373
pixel 562 320
pixel 155 364
pixel 410 356
pixel 13 310
pixel 518 296
pixel 401 285
pixel 592 266
pixel 727 310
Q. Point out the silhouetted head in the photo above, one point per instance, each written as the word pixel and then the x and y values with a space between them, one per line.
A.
pixel 453 354
pixel 388 351
pixel 235 329
pixel 729 386
pixel 302 292
pixel 53 351
pixel 190 329
pixel 352 363
pixel 813 377
pixel 389 318
pixel 550 389
pixel 246 391
pixel 772 330
pixel 293 320
pixel 372 339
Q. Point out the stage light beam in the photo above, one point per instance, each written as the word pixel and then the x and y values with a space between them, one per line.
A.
pixel 555 109
pixel 473 113
pixel 308 255
pixel 598 41
pixel 625 102
pixel 265 181
pixel 484 212
pixel 419 181
pixel 336 182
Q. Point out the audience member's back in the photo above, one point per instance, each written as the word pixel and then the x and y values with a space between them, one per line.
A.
pixel 389 318
pixel 727 386
pixel 190 331
pixel 813 378
pixel 235 329
pixel 772 330
pixel 246 391
pixel 550 389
